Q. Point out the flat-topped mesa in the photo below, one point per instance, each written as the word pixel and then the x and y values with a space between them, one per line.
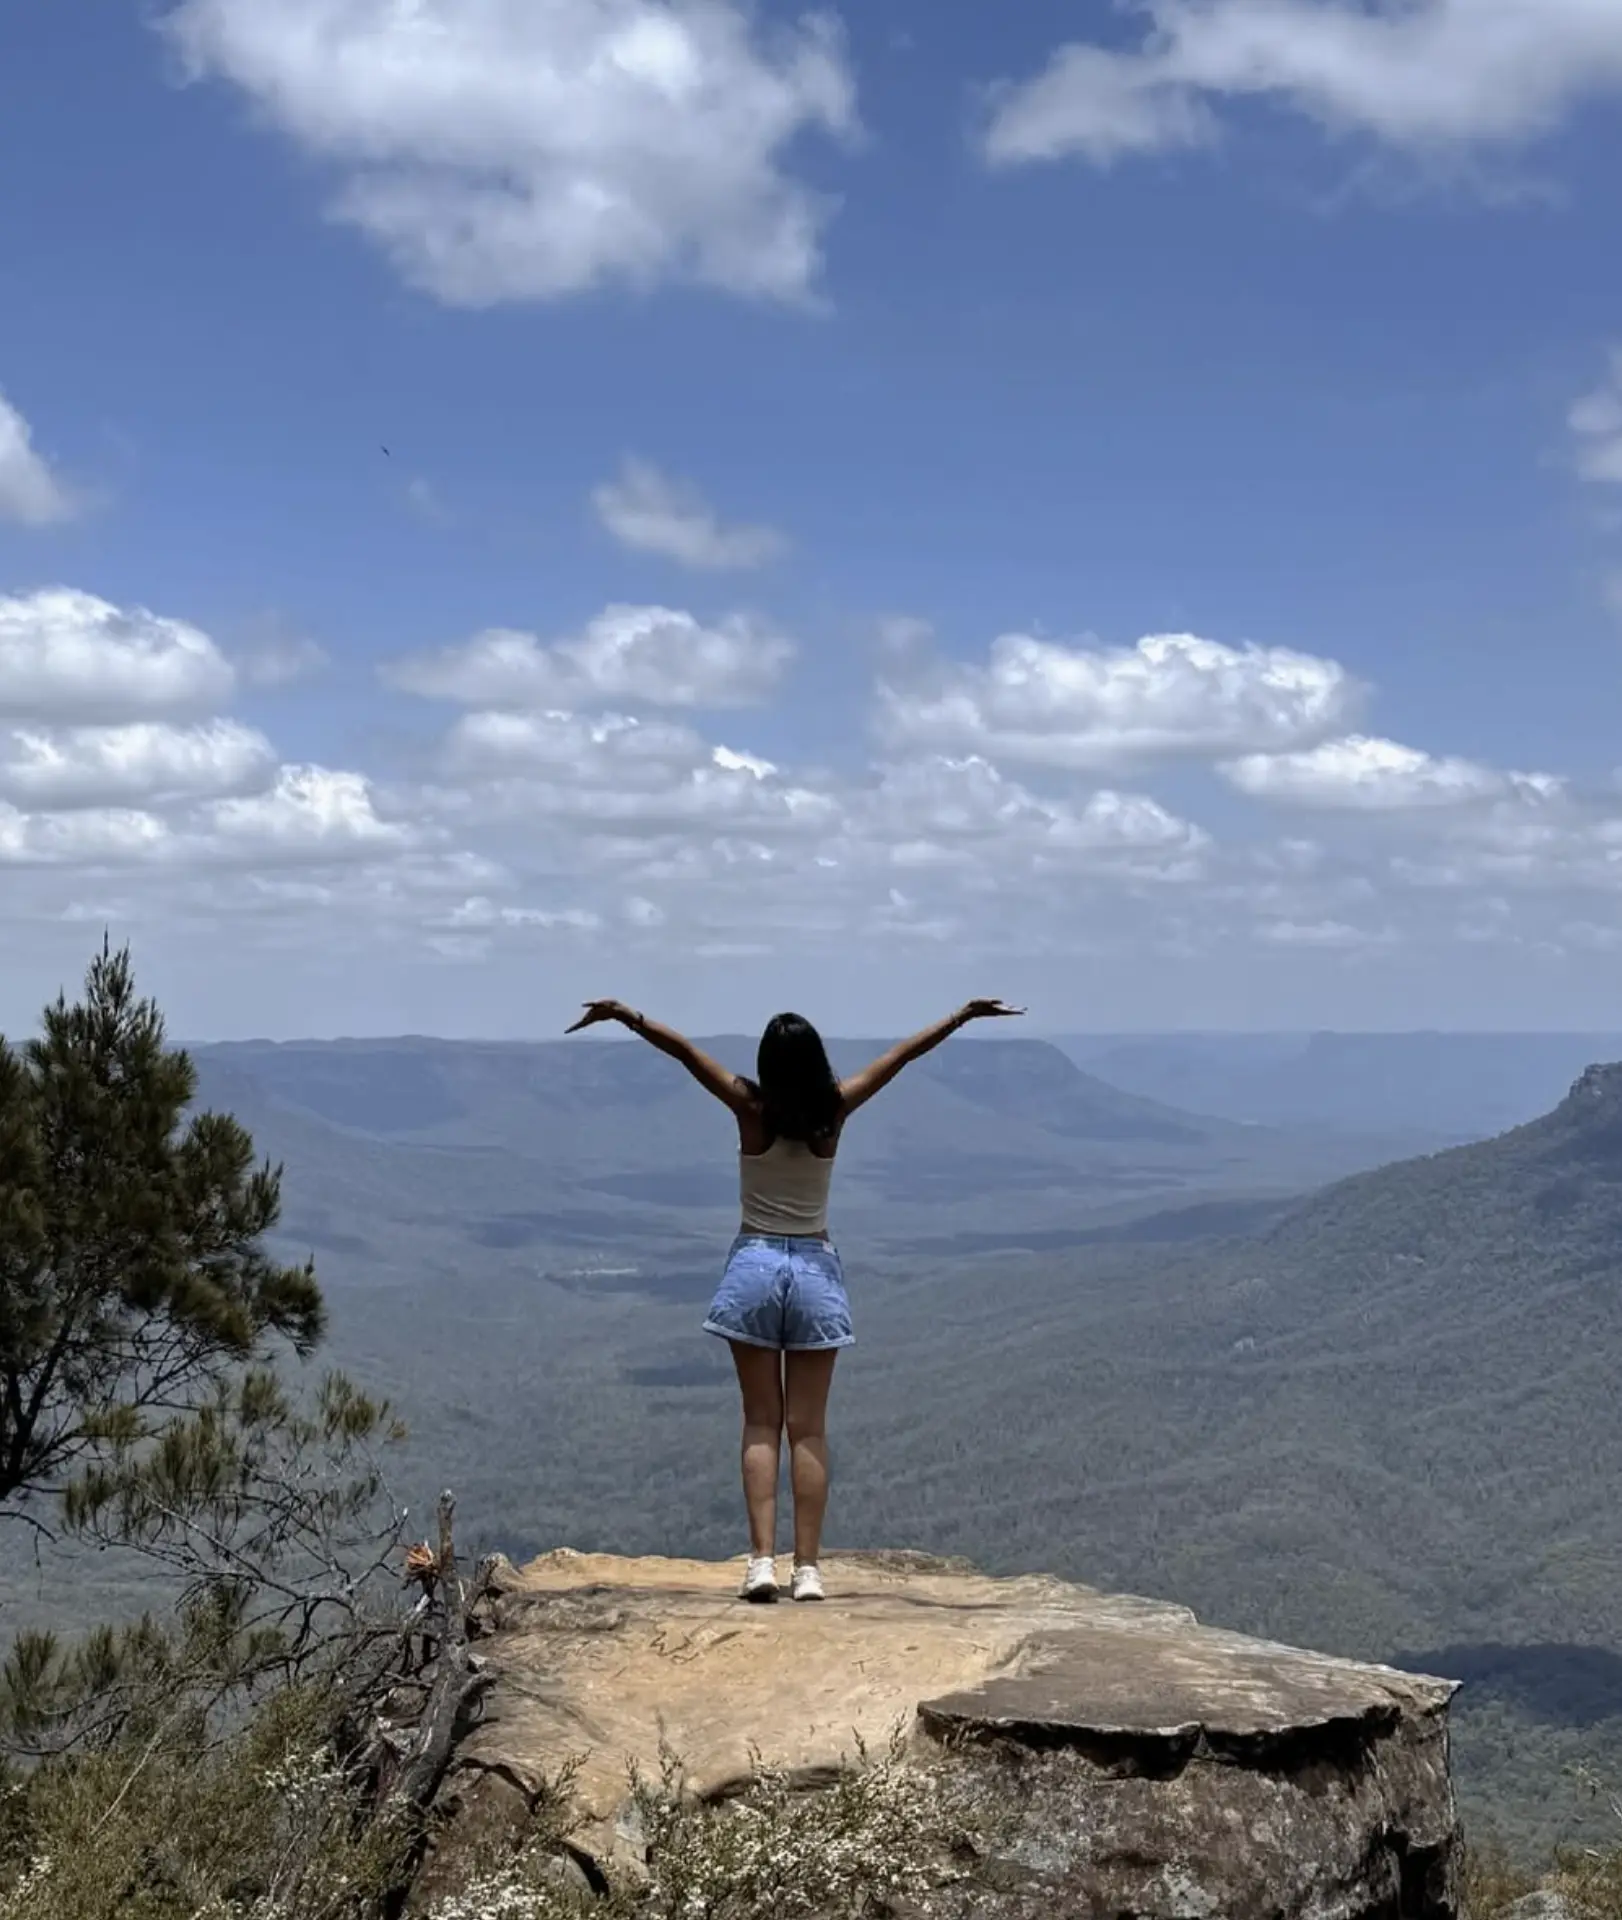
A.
pixel 1140 1764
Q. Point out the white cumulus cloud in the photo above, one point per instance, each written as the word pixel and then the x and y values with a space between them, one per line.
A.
pixel 602 750
pixel 516 150
pixel 946 801
pixel 577 775
pixel 1417 75
pixel 30 492
pixel 735 762
pixel 654 513
pixel 696 804
pixel 310 811
pixel 66 655
pixel 144 762
pixel 580 796
pixel 1380 776
pixel 309 817
pixel 1171 695
pixel 105 836
pixel 639 654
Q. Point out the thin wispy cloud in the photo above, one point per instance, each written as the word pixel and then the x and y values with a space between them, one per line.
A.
pixel 31 492
pixel 651 512
pixel 274 656
pixel 1596 426
pixel 423 501
pixel 1428 78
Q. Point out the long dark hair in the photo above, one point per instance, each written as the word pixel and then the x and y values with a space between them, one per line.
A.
pixel 796 1086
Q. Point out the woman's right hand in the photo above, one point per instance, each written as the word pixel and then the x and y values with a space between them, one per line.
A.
pixel 597 1011
pixel 987 1010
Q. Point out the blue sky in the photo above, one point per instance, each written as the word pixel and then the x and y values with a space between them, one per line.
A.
pixel 1120 507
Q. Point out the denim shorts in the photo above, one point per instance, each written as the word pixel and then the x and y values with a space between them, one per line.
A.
pixel 782 1291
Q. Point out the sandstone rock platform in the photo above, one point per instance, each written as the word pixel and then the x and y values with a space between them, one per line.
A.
pixel 1179 1771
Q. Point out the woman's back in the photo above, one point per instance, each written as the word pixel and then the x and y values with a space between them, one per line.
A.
pixel 784 1190
pixel 783 1308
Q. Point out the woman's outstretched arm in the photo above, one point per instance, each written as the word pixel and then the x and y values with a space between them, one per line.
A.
pixel 861 1087
pixel 710 1074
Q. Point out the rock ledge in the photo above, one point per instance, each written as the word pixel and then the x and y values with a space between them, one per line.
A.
pixel 1170 1771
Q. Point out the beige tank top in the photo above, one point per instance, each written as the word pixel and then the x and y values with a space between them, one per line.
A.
pixel 785 1189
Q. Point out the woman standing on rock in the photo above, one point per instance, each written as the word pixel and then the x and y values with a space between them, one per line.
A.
pixel 781 1304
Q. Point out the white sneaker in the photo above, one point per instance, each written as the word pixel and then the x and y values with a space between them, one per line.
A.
pixel 807 1585
pixel 760 1579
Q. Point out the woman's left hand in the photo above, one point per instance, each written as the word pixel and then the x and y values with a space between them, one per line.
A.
pixel 988 1010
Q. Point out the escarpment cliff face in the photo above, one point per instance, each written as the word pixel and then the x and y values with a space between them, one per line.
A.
pixel 1131 1762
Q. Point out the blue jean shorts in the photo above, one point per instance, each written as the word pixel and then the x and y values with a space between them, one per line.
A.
pixel 782 1291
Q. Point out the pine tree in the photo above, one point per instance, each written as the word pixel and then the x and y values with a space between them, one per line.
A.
pixel 133 1280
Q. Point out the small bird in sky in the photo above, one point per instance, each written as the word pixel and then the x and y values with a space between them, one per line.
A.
pixel 387 454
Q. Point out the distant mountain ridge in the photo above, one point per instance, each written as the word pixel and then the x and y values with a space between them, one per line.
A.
pixel 1451 1086
pixel 989 1123
pixel 424 1086
pixel 1549 1190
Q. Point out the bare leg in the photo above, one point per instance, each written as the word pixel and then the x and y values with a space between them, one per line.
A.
pixel 807 1378
pixel 760 1375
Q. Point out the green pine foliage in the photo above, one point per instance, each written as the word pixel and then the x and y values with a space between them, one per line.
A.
pixel 132 1270
pixel 141 1406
